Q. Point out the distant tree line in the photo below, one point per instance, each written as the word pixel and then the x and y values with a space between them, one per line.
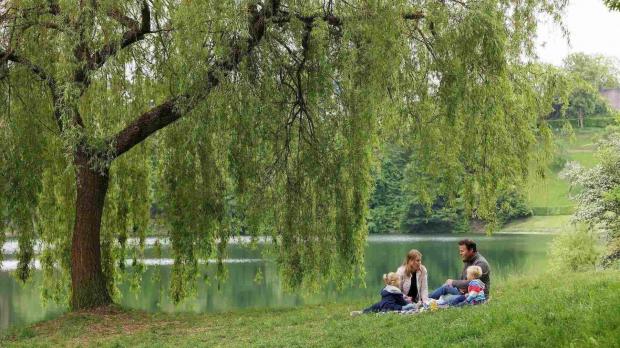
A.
pixel 396 206
pixel 586 76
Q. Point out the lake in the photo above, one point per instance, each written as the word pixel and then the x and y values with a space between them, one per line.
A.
pixel 507 254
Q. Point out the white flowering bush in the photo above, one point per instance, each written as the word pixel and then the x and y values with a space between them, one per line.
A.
pixel 597 192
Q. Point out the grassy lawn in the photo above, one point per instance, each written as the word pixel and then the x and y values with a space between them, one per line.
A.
pixel 546 310
pixel 549 192
pixel 553 191
pixel 545 224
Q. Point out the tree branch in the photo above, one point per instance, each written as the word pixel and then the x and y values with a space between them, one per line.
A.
pixel 43 76
pixel 126 21
pixel 414 15
pixel 147 124
pixel 137 31
pixel 176 107
pixel 426 43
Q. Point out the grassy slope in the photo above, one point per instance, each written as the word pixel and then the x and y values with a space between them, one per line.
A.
pixel 539 224
pixel 546 310
pixel 553 191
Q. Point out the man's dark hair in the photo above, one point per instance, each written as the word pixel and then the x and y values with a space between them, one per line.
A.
pixel 470 244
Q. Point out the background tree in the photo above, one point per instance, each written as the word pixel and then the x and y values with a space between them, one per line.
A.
pixel 396 206
pixel 389 199
pixel 589 74
pixel 584 101
pixel 599 71
pixel 277 104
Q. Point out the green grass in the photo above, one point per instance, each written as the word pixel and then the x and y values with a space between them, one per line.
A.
pixel 548 310
pixel 549 192
pixel 553 191
pixel 544 224
pixel 586 159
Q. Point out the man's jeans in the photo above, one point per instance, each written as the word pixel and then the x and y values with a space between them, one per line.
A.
pixel 446 290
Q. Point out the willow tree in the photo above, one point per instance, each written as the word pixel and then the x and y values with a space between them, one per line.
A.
pixel 261 116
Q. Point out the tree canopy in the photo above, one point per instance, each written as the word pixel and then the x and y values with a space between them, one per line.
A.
pixel 582 77
pixel 597 70
pixel 256 115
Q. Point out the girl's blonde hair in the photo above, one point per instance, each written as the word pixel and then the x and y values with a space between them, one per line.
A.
pixel 475 271
pixel 391 279
pixel 411 255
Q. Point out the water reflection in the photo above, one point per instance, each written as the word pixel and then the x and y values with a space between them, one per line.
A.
pixel 507 254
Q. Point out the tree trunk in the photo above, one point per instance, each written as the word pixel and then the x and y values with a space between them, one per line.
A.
pixel 88 284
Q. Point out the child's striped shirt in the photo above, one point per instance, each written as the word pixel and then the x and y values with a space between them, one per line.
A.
pixel 478 286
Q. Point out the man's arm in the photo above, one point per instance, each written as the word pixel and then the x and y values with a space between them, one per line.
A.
pixel 460 283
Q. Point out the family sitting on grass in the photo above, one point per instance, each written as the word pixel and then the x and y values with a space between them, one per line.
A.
pixel 407 288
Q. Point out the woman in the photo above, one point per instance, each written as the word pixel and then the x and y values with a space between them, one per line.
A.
pixel 413 277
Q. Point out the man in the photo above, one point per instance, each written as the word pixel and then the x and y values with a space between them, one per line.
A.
pixel 470 256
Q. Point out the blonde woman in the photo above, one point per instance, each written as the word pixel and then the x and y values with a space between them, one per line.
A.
pixel 413 277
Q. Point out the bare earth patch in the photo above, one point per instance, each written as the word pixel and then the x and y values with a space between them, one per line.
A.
pixel 97 323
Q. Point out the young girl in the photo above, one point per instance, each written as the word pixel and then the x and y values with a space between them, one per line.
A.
pixel 475 288
pixel 392 299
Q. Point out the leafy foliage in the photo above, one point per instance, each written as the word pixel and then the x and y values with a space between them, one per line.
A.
pixel 389 200
pixel 597 203
pixel 396 206
pixel 440 217
pixel 596 70
pixel 612 4
pixel 512 205
pixel 575 250
pixel 582 77
pixel 589 74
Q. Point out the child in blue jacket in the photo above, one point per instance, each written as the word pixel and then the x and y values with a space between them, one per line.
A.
pixel 392 299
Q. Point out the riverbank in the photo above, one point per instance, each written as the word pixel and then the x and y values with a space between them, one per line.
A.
pixel 544 310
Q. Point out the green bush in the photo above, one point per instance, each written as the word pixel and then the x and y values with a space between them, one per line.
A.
pixel 512 205
pixel 575 250
pixel 442 217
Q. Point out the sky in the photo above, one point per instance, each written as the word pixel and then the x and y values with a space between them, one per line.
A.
pixel 594 29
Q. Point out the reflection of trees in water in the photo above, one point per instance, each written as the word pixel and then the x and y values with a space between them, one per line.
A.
pixel 516 255
pixel 6 301
pixel 239 290
pixel 21 303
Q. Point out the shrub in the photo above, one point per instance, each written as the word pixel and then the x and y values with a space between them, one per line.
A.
pixel 512 205
pixel 575 250
pixel 598 201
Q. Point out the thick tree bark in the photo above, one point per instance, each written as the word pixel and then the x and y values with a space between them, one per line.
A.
pixel 88 283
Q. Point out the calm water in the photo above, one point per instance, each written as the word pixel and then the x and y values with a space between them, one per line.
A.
pixel 507 254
